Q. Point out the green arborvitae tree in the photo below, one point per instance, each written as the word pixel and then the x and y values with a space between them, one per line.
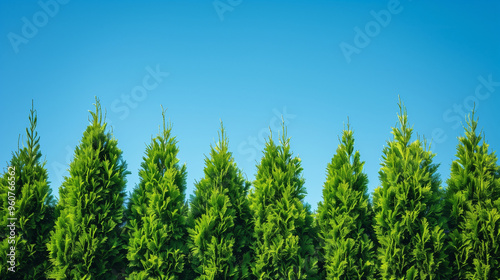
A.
pixel 473 208
pixel 221 232
pixel 86 243
pixel 25 182
pixel 157 213
pixel 284 232
pixel 408 210
pixel 344 217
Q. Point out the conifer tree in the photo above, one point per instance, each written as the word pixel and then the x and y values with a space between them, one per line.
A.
pixel 284 233
pixel 85 243
pixel 25 184
pixel 408 210
pixel 221 231
pixel 344 217
pixel 157 213
pixel 473 208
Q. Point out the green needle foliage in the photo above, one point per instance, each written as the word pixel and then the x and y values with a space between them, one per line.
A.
pixel 33 208
pixel 85 243
pixel 157 215
pixel 344 217
pixel 284 230
pixel 408 210
pixel 221 230
pixel 473 208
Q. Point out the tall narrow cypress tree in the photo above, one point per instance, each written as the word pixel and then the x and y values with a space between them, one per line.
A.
pixel 25 181
pixel 85 243
pixel 408 209
pixel 157 213
pixel 221 231
pixel 473 208
pixel 284 233
pixel 345 217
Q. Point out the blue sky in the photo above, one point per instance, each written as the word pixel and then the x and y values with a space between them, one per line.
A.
pixel 247 63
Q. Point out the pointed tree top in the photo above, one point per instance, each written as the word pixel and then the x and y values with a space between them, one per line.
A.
pixel 403 114
pixel 31 133
pixel 167 126
pixel 402 132
pixel 97 115
pixel 471 127
pixel 223 141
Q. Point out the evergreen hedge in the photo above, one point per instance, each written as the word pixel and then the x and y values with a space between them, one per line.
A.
pixel 345 217
pixel 86 242
pixel 284 232
pixel 221 231
pixel 157 213
pixel 412 229
pixel 473 208
pixel 33 209
pixel 408 208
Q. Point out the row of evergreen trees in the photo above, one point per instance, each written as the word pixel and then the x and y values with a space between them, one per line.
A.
pixel 412 229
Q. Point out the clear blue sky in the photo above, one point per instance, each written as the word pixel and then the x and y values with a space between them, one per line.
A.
pixel 248 62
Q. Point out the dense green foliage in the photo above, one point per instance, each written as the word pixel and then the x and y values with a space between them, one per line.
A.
pixel 284 233
pixel 221 231
pixel 473 208
pixel 33 209
pixel 344 217
pixel 412 229
pixel 85 243
pixel 157 213
pixel 408 210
